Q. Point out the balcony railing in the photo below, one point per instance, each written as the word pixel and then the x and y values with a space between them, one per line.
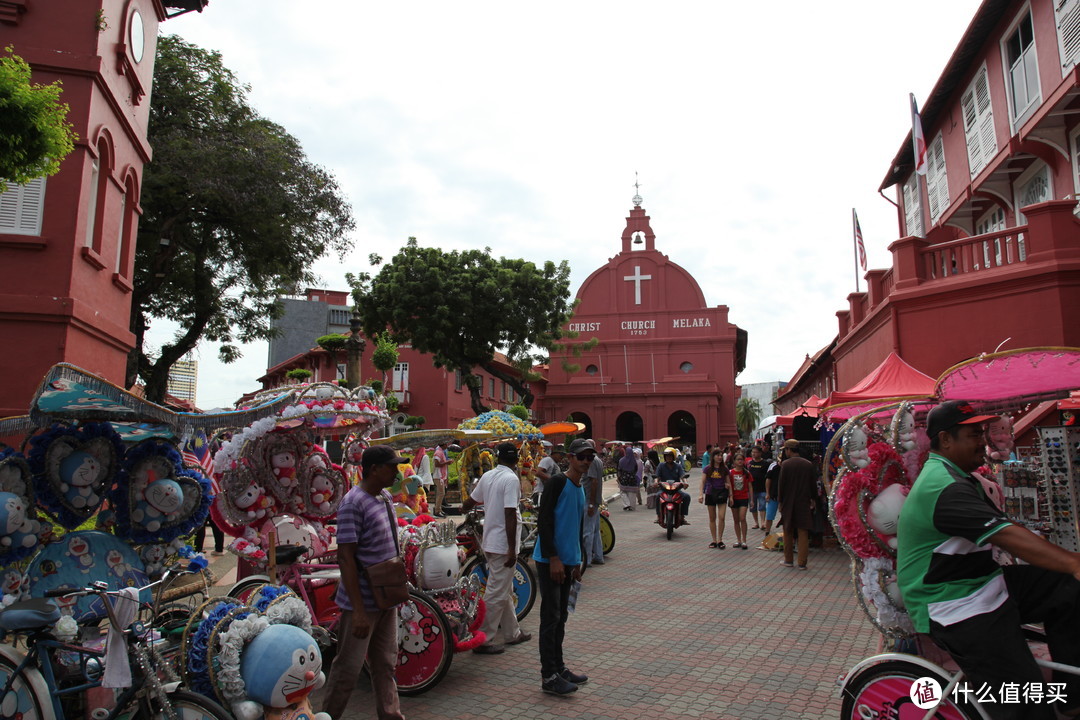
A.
pixel 976 254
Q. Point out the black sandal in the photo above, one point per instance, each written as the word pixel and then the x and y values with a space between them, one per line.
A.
pixel 721 545
pixel 712 544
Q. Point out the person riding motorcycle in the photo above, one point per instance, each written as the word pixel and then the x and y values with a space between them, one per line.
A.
pixel 671 471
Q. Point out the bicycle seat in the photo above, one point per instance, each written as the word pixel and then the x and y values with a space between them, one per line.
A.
pixel 288 554
pixel 35 614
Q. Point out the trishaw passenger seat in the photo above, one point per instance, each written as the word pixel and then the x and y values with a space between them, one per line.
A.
pixel 288 554
pixel 33 614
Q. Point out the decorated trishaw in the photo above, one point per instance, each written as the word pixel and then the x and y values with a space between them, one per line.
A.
pixel 96 502
pixel 874 457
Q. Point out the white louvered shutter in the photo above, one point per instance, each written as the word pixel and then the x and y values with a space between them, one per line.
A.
pixel 912 208
pixel 21 208
pixel 937 182
pixel 1067 13
pixel 979 123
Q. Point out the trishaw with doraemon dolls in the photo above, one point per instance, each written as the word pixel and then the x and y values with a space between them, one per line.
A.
pixel 880 448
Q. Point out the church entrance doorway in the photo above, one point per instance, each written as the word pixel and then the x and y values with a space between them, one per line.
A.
pixel 682 425
pixel 629 427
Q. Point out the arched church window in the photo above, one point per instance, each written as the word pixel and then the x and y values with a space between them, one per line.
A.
pixel 592 370
pixel 686 367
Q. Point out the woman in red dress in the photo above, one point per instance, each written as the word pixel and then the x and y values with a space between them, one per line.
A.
pixel 739 497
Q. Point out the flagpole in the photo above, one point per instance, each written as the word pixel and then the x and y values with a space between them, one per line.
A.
pixel 855 243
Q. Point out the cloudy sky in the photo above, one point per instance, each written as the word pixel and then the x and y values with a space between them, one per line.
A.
pixel 754 127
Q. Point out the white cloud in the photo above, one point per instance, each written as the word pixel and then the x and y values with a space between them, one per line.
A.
pixel 755 127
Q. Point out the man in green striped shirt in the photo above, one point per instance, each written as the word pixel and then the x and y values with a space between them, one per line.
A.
pixel 956 592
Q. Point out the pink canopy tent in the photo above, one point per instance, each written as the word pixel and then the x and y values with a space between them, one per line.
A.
pixel 1016 376
pixel 892 380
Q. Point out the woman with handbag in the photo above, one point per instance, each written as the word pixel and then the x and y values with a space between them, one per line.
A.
pixel 629 482
pixel 372 583
pixel 714 493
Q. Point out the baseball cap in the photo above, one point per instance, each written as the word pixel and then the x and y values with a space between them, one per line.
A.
pixel 506 452
pixel 381 455
pixel 579 446
pixel 949 414
pixel 791 444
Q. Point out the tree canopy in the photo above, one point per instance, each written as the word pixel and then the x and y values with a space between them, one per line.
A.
pixel 463 306
pixel 747 414
pixel 234 215
pixel 34 132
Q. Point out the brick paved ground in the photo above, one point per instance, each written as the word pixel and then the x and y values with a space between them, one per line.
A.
pixel 675 630
pixel 760 641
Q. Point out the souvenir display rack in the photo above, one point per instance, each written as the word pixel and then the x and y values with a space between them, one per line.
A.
pixel 1060 451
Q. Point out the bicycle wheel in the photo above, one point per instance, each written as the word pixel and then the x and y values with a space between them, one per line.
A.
pixel 20 701
pixel 243 589
pixel 524 583
pixel 607 534
pixel 883 691
pixel 187 706
pixel 425 645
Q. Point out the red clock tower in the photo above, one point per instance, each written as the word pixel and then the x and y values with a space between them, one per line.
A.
pixel 665 363
pixel 67 242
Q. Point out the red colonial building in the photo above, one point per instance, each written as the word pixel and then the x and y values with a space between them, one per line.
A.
pixel 67 242
pixel 988 253
pixel 665 363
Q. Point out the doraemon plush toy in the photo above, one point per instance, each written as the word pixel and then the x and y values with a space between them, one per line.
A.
pixel 16 531
pixel 79 475
pixel 280 667
pixel 160 501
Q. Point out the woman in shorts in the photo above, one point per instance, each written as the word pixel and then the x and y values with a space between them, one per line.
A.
pixel 714 493
pixel 739 496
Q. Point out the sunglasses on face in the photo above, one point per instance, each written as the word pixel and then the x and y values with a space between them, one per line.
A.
pixel 585 456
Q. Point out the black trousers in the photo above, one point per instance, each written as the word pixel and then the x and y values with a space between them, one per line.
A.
pixel 553 616
pixel 219 536
pixel 990 648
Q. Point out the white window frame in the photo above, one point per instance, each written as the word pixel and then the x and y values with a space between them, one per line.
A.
pixel 1067 19
pixel 937 179
pixel 978 114
pixel 991 221
pixel 92 201
pixel 399 377
pixel 1017 116
pixel 1074 159
pixel 22 208
pixel 913 217
pixel 1038 167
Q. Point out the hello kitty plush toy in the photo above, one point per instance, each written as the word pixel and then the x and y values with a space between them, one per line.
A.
pixel 283 465
pixel 160 502
pixel 254 502
pixel 999 436
pixel 15 529
pixel 322 492
pixel 883 514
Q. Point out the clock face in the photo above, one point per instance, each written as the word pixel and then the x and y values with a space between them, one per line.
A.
pixel 136 37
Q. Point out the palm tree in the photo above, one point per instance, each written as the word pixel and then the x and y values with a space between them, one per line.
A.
pixel 747 414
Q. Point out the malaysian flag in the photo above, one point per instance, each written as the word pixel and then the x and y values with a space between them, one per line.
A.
pixel 196 454
pixel 860 248
pixel 918 142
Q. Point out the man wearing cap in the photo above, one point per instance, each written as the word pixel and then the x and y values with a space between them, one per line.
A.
pixel 593 482
pixel 500 492
pixel 955 591
pixel 559 556
pixel 366 535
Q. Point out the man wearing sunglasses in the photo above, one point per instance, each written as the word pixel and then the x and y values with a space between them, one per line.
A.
pixel 559 556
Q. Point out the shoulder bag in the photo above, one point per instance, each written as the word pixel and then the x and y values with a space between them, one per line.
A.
pixel 387 579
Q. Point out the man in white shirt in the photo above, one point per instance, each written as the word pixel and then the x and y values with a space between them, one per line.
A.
pixel 499 491
pixel 548 468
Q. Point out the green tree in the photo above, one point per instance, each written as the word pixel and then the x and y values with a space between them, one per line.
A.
pixel 299 374
pixel 464 306
pixel 333 344
pixel 747 414
pixel 34 132
pixel 385 355
pixel 234 215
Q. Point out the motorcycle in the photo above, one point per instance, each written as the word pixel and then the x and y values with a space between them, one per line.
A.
pixel 671 506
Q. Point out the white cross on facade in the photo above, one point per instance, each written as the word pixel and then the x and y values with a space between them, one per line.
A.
pixel 637 277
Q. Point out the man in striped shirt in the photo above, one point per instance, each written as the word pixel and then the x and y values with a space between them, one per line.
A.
pixel 366 535
pixel 953 589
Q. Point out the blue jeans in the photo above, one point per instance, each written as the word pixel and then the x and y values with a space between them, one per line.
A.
pixel 758 502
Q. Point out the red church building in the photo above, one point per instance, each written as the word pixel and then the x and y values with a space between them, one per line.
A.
pixel 665 363
pixel 988 253
pixel 67 242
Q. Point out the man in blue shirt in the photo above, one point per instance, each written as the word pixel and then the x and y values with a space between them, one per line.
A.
pixel 671 470
pixel 559 556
